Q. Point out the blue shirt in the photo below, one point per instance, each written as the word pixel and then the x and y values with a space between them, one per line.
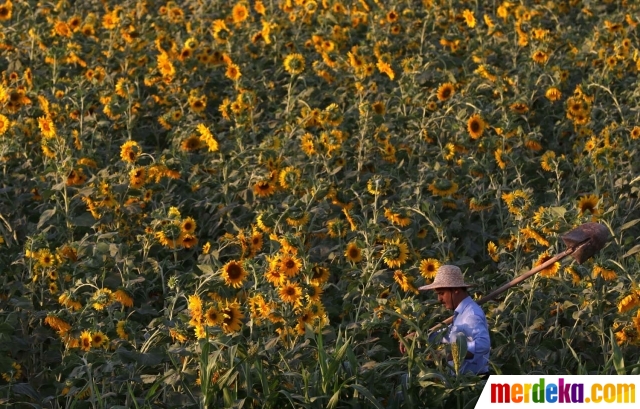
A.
pixel 470 321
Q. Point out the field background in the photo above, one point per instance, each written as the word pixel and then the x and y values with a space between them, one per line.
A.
pixel 217 204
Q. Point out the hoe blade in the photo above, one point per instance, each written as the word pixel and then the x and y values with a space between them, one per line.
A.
pixel 587 239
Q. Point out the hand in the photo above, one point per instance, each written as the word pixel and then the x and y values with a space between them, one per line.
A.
pixel 407 337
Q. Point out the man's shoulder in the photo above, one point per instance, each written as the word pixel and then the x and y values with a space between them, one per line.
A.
pixel 472 307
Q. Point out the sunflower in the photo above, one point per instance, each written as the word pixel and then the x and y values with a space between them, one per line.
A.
pixel 443 187
pixel 403 281
pixel 291 293
pixel 606 274
pixel 5 10
pixel 289 177
pixel 47 127
pixel 4 124
pixel 551 270
pixel 492 249
pixel 239 13
pixel 58 324
pixel 469 18
pixel 575 277
pixel 233 72
pixel 517 201
pixel 85 340
pixel 392 16
pixel 129 151
pixel 395 252
pixel 294 63
pixel 102 298
pixel 289 265
pixel 198 104
pixel 45 258
pixel 98 339
pixel 589 203
pixel 319 275
pixel 635 132
pixel 304 319
pixel 314 293
pixel 445 91
pixel 475 126
pixel 428 268
pixel 233 274
pixel 213 317
pixel 274 276
pixel 188 225
pixel 353 252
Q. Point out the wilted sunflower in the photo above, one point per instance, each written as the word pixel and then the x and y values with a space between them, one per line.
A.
pixel 428 268
pixel 123 297
pixel 445 91
pixel 336 228
pixel 475 126
pixel 551 270
pixel 629 302
pixel 187 240
pixel 294 63
pixel 519 108
pixel 291 293
pixel 395 252
pixel 353 252
pixel 589 203
pixel 233 274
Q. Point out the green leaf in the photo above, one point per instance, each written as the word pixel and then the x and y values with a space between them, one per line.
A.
pixel 206 268
pixel 629 224
pixel 364 391
pixel 633 251
pixel 46 215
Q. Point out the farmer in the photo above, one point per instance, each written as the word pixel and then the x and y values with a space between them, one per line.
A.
pixel 468 319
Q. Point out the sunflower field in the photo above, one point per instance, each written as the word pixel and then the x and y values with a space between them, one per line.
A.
pixel 231 204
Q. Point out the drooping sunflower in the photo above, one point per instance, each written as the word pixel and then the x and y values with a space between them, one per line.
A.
pixel 429 267
pixel 98 339
pixel 475 126
pixel 264 188
pixel 395 252
pixel 129 151
pixel 540 56
pixel 553 94
pixel 445 91
pixel 191 144
pixel 589 203
pixel 517 201
pixel 629 302
pixel 232 321
pixel 551 270
pixel 291 293
pixel 492 249
pixel 121 329
pixel 123 297
pixel 187 240
pixel 294 63
pixel 289 177
pixel 314 292
pixel 606 274
pixel 233 274
pixel 85 340
pixel 443 187
pixel 319 275
pixel 289 265
pixel 404 282
pixel 101 298
pixel 353 252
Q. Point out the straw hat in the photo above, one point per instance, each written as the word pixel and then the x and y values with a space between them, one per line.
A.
pixel 447 276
